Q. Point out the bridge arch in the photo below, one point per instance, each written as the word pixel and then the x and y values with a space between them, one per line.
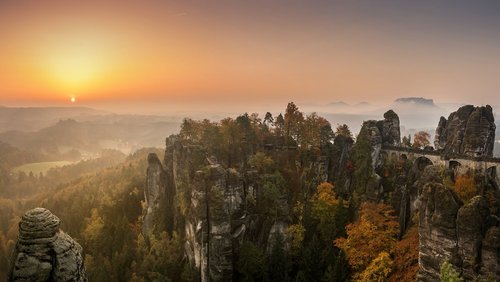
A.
pixel 421 162
pixel 492 175
pixel 394 156
pixel 455 167
pixel 384 155
pixel 492 171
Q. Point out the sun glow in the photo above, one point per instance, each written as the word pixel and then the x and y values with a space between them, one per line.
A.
pixel 75 61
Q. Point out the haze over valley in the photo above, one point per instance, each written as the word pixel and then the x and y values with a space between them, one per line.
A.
pixel 284 140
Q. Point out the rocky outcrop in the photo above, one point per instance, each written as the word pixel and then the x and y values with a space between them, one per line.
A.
pixel 468 131
pixel 389 127
pixel 153 192
pixel 440 134
pixel 465 235
pixel 212 207
pixel 375 137
pixel 472 222
pixel 44 252
pixel 437 226
pixel 384 132
pixel 337 166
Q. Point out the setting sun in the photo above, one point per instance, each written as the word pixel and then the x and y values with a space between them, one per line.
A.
pixel 222 140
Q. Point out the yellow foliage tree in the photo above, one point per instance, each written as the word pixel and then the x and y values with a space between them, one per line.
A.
pixel 327 209
pixel 378 270
pixel 465 187
pixel 405 255
pixel 373 233
pixel 421 139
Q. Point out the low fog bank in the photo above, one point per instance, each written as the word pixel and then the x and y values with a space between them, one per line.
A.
pixel 127 127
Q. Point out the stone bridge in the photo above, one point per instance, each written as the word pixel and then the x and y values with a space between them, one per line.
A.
pixel 460 163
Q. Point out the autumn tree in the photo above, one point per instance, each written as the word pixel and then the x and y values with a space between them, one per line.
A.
pixel 405 253
pixel 448 273
pixel 293 122
pixel 190 129
pixel 316 132
pixel 329 211
pixel 421 139
pixel 343 130
pixel 373 233
pixel 406 141
pixel 465 187
pixel 378 270
pixel 362 160
pixel 262 162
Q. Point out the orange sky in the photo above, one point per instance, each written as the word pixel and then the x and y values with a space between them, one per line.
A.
pixel 247 51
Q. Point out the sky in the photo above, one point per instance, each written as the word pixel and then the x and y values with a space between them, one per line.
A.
pixel 201 54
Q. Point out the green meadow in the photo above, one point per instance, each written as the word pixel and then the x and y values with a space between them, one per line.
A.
pixel 38 168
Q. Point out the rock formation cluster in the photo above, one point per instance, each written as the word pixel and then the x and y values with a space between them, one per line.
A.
pixel 468 131
pixel 384 132
pixel 211 206
pixel 207 205
pixel 389 127
pixel 44 252
pixel 155 191
pixel 468 236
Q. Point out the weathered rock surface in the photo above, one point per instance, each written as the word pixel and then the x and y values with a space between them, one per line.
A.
pixel 441 133
pixel 465 235
pixel 375 136
pixel 437 227
pixel 338 174
pixel 153 192
pixel 44 252
pixel 472 222
pixel 212 207
pixel 389 127
pixel 470 131
pixel 384 132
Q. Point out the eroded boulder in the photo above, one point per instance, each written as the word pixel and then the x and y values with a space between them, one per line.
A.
pixel 389 126
pixel 44 252
pixel 438 208
pixel 469 131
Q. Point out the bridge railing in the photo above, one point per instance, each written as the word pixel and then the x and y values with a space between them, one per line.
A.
pixel 442 155
pixel 413 150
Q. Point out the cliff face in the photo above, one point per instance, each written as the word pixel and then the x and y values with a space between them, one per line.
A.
pixel 384 132
pixel 389 127
pixel 375 136
pixel 155 183
pixel 215 222
pixel 470 131
pixel 380 133
pixel 216 200
pixel 212 196
pixel 465 235
pixel 45 253
pixel 212 207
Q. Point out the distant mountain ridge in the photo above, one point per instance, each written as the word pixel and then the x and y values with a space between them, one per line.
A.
pixel 416 100
pixel 120 132
pixel 36 118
